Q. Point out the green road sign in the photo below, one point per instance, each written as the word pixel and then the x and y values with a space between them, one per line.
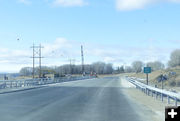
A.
pixel 147 70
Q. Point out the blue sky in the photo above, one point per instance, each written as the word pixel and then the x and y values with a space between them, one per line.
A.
pixel 115 31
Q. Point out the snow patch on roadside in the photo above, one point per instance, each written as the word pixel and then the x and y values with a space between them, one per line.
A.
pixel 125 83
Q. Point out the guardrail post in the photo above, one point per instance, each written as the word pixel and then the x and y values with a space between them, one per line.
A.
pixel 5 85
pixel 175 101
pixel 156 95
pixel 161 97
pixel 11 85
pixel 168 99
pixel 142 89
pixel 16 84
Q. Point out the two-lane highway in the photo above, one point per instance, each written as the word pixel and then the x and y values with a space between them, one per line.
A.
pixel 86 100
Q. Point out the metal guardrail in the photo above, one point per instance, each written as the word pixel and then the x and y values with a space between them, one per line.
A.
pixel 154 91
pixel 38 81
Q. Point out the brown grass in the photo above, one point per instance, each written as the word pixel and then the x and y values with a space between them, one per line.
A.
pixel 153 77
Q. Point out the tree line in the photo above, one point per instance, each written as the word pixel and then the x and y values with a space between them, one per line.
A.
pixel 97 67
pixel 137 66
pixel 105 68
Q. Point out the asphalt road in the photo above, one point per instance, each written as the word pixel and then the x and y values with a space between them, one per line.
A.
pixel 85 100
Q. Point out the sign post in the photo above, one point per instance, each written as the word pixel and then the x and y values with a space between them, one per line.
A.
pixel 162 79
pixel 147 70
pixel 147 78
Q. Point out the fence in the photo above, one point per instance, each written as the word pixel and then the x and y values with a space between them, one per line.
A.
pixel 39 81
pixel 153 91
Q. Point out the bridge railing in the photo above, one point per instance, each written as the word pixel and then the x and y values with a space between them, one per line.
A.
pixel 39 81
pixel 153 91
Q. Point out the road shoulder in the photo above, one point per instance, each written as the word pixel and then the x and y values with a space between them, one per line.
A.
pixel 153 108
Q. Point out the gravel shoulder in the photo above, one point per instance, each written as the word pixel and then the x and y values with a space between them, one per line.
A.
pixel 155 107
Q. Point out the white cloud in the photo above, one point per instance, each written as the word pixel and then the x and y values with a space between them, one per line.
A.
pixel 58 51
pixel 57 48
pixel 12 60
pixel 174 1
pixel 69 3
pixel 24 1
pixel 6 53
pixel 57 44
pixel 125 5
pixel 131 4
pixel 123 55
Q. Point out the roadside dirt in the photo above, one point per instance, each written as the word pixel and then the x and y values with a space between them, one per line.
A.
pixel 155 106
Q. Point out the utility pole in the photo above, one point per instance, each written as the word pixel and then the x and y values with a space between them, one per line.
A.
pixel 70 65
pixel 37 54
pixel 40 73
pixel 33 59
pixel 71 62
pixel 82 57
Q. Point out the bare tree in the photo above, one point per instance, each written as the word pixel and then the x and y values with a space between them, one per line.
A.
pixel 120 69
pixel 174 58
pixel 108 68
pixel 98 67
pixel 26 71
pixel 137 66
pixel 128 69
pixel 157 65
